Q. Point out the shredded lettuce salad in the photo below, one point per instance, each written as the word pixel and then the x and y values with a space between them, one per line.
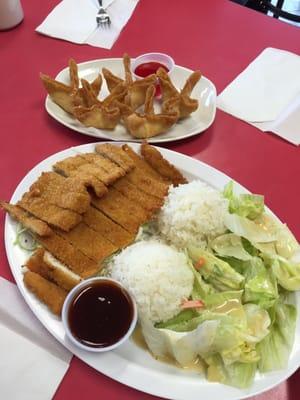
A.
pixel 241 320
pixel 24 239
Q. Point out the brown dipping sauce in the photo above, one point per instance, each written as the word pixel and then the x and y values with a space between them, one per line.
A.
pixel 100 314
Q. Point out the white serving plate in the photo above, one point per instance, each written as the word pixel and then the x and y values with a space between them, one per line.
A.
pixel 198 122
pixel 130 364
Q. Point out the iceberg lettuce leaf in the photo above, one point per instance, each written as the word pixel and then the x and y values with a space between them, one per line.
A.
pixel 240 375
pixel 286 272
pixel 260 285
pixel 246 205
pixel 230 245
pixel 250 230
pixel 275 348
pixel 215 271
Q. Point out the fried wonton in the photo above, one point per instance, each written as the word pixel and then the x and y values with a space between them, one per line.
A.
pixel 148 124
pixel 99 114
pixel 136 90
pixel 186 105
pixel 66 96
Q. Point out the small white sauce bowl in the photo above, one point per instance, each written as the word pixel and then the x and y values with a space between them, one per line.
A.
pixel 162 58
pixel 65 315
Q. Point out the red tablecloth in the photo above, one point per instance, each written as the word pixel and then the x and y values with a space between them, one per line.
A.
pixel 216 36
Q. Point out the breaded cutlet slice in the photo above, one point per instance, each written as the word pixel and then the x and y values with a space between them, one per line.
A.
pixel 121 210
pixel 148 184
pixel 48 292
pixel 113 232
pixel 43 263
pixel 28 221
pixel 63 192
pixel 113 171
pixel 38 205
pixel 161 165
pixel 115 154
pixel 132 192
pixel 89 242
pixel 141 164
pixel 69 255
pixel 79 169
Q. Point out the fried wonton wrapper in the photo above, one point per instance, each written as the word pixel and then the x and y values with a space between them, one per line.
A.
pixel 99 114
pixel 136 90
pixel 147 125
pixel 186 105
pixel 66 96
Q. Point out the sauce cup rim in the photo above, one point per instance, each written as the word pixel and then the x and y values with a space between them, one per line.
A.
pixel 169 61
pixel 65 311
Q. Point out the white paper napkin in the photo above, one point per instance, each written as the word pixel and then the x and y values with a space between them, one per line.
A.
pixel 32 362
pixel 267 94
pixel 75 21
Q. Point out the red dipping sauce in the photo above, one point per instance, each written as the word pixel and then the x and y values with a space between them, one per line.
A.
pixel 149 68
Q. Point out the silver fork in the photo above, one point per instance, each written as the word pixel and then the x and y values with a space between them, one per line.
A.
pixel 102 17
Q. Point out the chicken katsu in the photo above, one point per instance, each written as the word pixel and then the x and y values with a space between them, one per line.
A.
pixel 63 192
pixel 79 169
pixel 161 165
pixel 69 255
pixel 112 231
pixel 48 292
pixel 28 221
pixel 89 242
pixel 141 164
pixel 38 205
pixel 78 228
pixel 133 193
pixel 112 170
pixel 44 264
pixel 126 213
pixel 115 154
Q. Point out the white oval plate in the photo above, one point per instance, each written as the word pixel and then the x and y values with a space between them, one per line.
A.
pixel 130 364
pixel 199 121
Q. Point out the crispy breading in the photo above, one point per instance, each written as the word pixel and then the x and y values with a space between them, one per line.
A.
pixel 90 163
pixel 97 116
pixel 121 210
pixel 132 192
pixel 161 165
pixel 28 221
pixel 135 89
pixel 112 80
pixel 141 164
pixel 49 293
pixel 60 93
pixel 59 273
pixel 112 170
pixel 148 184
pixel 35 263
pixel 38 205
pixel 89 242
pixel 148 124
pixel 69 255
pixel 64 192
pixel 113 232
pixel 68 165
pixel 84 172
pixel 185 104
pixel 80 166
pixel 115 154
pixel 43 263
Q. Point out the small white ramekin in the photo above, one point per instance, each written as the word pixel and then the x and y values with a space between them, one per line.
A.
pixel 65 311
pixel 162 58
